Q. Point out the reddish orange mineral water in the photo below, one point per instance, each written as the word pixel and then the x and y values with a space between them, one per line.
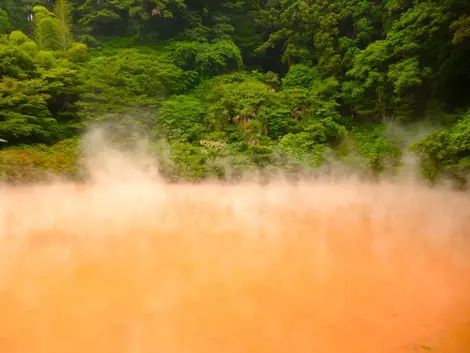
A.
pixel 146 267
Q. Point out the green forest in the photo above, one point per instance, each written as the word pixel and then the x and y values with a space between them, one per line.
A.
pixel 265 85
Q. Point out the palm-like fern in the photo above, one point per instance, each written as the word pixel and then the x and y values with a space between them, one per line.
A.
pixel 64 24
pixel 52 30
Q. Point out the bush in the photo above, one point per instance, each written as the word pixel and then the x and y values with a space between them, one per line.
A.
pixel 447 153
pixel 36 163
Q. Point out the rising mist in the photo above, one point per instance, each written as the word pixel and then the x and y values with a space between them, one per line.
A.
pixel 130 264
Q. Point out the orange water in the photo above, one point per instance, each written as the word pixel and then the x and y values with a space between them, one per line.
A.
pixel 147 268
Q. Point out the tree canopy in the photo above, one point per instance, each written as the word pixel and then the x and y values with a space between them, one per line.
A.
pixel 252 84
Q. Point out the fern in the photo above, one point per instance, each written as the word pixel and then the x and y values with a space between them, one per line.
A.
pixel 64 20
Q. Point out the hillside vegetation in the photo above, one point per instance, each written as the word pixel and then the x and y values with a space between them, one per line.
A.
pixel 223 87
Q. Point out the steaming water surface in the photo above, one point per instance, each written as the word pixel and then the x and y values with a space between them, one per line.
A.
pixel 144 267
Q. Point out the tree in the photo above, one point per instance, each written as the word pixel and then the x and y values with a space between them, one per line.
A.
pixel 250 83
pixel 44 28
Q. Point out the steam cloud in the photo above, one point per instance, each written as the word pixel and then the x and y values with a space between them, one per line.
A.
pixel 128 263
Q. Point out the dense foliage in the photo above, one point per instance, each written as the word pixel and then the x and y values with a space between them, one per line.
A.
pixel 231 85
